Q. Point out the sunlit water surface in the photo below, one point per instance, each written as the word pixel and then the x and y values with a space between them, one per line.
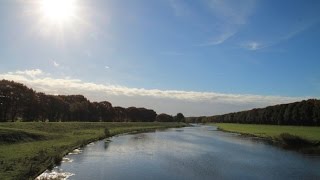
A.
pixel 199 152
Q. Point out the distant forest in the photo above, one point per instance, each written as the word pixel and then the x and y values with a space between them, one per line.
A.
pixel 306 112
pixel 20 103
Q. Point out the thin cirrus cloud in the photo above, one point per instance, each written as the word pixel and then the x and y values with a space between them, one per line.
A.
pixel 219 39
pixel 227 17
pixel 275 40
pixel 299 29
pixel 194 103
pixel 231 16
pixel 232 12
pixel 253 45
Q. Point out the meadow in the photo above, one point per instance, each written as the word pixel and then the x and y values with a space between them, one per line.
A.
pixel 272 131
pixel 27 149
pixel 302 138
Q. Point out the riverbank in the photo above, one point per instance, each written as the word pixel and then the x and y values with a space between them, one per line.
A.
pixel 27 149
pixel 305 139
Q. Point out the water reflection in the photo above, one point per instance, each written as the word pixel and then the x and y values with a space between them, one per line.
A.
pixel 199 152
pixel 106 145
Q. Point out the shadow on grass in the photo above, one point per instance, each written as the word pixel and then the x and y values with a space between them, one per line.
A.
pixel 292 142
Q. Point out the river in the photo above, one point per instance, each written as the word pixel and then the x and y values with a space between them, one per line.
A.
pixel 198 152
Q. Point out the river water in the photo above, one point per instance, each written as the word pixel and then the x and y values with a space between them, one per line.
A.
pixel 199 152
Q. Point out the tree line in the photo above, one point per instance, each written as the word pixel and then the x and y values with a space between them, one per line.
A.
pixel 306 112
pixel 20 103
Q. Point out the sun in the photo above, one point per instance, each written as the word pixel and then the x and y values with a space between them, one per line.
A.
pixel 58 11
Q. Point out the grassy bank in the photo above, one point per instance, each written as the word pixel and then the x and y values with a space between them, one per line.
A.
pixel 301 138
pixel 27 149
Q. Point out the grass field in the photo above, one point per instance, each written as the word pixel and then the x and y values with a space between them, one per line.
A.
pixel 27 149
pixel 272 131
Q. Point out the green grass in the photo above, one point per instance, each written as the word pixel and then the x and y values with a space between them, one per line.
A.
pixel 27 149
pixel 272 131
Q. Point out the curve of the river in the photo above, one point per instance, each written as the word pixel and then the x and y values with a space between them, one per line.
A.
pixel 198 152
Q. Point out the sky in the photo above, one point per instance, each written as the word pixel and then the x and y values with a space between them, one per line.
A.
pixel 202 57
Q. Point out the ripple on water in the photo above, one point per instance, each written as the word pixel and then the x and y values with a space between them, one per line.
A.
pixel 65 159
pixel 76 151
pixel 90 144
pixel 55 174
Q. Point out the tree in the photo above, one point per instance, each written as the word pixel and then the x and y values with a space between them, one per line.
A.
pixel 316 113
pixel 179 118
pixel 141 114
pixel 306 112
pixel 107 112
pixel 164 118
pixel 120 114
pixel 20 103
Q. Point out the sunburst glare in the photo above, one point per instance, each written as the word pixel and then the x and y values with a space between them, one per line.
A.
pixel 58 11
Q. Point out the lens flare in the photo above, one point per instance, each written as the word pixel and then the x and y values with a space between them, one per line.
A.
pixel 58 11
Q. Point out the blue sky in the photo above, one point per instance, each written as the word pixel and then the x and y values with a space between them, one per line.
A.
pixel 198 57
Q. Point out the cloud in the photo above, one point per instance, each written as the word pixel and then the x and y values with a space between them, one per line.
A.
pixel 106 67
pixel 169 101
pixel 298 29
pixel 290 32
pixel 29 73
pixel 229 16
pixel 253 46
pixel 232 12
pixel 55 64
pixel 219 39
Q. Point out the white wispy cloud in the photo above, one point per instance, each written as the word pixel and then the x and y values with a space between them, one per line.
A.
pixel 232 12
pixel 55 64
pixel 27 73
pixel 300 28
pixel 286 35
pixel 231 16
pixel 253 45
pixel 219 39
pixel 162 100
pixel 228 16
